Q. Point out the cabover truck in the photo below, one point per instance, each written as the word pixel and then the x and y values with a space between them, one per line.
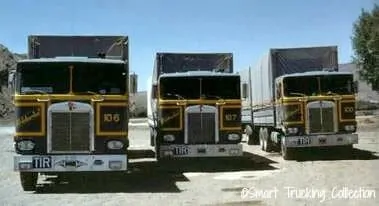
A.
pixel 297 99
pixel 194 106
pixel 71 101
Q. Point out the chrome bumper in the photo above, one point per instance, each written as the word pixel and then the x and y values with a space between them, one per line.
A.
pixel 69 163
pixel 198 150
pixel 320 140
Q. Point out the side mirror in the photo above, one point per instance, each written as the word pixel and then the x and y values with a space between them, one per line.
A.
pixel 244 90
pixel 154 92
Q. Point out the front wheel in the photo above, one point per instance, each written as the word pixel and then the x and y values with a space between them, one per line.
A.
pixel 252 136
pixel 29 180
pixel 152 137
pixel 345 150
pixel 287 153
pixel 265 140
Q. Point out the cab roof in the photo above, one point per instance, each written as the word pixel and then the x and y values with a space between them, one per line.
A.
pixel 73 59
pixel 199 74
pixel 315 73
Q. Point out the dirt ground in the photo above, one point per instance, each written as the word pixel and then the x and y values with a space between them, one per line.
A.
pixel 259 178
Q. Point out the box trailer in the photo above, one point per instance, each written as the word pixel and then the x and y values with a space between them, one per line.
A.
pixel 295 97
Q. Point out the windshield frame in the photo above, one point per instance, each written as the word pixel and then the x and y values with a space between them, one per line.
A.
pixel 67 80
pixel 35 66
pixel 198 86
pixel 319 90
pixel 90 65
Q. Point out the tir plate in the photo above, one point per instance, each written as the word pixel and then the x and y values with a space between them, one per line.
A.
pixel 42 162
pixel 181 150
pixel 304 141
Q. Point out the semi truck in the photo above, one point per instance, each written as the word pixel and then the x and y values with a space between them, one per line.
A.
pixel 194 106
pixel 295 98
pixel 71 104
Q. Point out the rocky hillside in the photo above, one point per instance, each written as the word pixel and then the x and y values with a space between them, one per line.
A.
pixel 7 62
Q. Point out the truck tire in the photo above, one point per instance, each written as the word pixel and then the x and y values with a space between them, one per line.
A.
pixel 156 148
pixel 152 137
pixel 287 153
pixel 29 180
pixel 265 140
pixel 253 138
pixel 345 150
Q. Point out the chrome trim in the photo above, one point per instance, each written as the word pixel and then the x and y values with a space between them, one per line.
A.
pixel 321 104
pixel 204 109
pixel 64 108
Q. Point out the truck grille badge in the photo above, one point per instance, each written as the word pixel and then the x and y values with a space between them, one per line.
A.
pixel 70 163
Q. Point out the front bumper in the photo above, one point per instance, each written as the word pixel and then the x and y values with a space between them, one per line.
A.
pixel 320 140
pixel 199 150
pixel 69 163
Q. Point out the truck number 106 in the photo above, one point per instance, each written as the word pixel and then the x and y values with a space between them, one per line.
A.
pixel 111 117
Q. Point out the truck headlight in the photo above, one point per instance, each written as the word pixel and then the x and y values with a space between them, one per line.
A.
pixel 115 144
pixel 233 137
pixel 169 137
pixel 349 128
pixel 292 130
pixel 25 145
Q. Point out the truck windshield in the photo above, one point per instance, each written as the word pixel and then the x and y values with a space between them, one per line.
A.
pixel 42 77
pixel 196 62
pixel 337 84
pixel 225 87
pixel 102 78
pixel 315 85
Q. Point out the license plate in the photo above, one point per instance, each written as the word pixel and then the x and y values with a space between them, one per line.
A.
pixel 181 150
pixel 303 141
pixel 42 162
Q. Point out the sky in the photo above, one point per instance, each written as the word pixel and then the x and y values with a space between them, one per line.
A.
pixel 247 28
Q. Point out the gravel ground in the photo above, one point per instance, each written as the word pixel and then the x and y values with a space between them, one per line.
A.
pixel 262 178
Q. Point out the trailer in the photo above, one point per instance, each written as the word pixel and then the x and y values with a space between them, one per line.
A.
pixel 295 98
pixel 194 106
pixel 71 102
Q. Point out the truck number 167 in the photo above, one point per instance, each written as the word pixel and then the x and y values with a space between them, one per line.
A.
pixel 230 117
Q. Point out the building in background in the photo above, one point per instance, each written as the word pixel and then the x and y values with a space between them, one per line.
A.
pixel 365 93
pixel 138 104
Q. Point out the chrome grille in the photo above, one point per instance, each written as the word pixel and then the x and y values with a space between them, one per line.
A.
pixel 71 131
pixel 321 119
pixel 201 128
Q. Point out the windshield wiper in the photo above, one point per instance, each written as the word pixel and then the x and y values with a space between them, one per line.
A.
pixel 34 91
pixel 297 93
pixel 332 93
pixel 211 96
pixel 335 94
pixel 220 100
pixel 95 94
pixel 175 95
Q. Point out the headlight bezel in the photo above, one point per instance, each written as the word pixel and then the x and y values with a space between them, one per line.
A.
pixel 349 128
pixel 233 137
pixel 25 145
pixel 115 144
pixel 169 137
pixel 292 130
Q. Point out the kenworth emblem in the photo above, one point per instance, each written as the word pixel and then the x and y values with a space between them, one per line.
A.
pixel 71 106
